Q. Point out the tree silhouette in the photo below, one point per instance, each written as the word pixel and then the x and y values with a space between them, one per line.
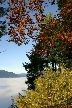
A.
pixel 34 68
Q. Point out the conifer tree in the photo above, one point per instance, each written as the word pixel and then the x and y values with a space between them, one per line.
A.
pixel 34 68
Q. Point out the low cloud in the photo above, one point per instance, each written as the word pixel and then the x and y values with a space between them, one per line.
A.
pixel 10 87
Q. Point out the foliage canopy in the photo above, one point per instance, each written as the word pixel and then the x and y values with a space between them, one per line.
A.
pixel 52 90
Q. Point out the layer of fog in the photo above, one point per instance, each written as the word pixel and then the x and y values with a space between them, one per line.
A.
pixel 10 87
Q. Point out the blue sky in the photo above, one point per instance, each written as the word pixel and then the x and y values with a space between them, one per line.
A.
pixel 11 60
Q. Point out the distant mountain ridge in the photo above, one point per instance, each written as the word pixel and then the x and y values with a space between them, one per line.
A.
pixel 6 74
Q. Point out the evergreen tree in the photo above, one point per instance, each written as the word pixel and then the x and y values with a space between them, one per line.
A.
pixel 34 68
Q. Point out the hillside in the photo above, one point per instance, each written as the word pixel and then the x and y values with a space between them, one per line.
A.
pixel 6 74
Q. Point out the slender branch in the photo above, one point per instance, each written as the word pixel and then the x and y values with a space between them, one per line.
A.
pixel 3 51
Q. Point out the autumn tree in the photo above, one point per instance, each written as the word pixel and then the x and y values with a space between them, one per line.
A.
pixel 51 47
pixel 65 8
pixel 22 9
pixel 52 90
pixel 58 29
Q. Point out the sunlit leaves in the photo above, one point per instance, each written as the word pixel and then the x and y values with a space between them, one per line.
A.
pixel 52 90
pixel 66 14
pixel 20 11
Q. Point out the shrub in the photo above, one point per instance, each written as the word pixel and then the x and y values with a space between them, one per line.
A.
pixel 52 90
